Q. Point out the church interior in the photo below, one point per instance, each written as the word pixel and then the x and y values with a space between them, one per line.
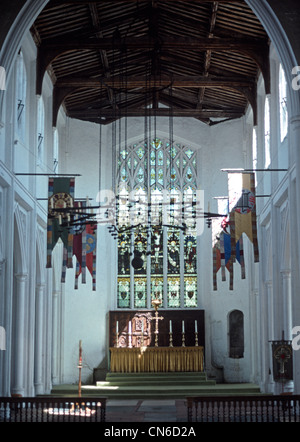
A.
pixel 149 197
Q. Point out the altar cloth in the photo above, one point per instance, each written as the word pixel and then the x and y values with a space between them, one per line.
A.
pixel 156 359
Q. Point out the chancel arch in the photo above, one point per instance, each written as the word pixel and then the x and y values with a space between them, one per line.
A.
pixel 173 262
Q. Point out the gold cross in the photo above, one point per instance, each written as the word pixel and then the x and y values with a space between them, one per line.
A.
pixel 156 303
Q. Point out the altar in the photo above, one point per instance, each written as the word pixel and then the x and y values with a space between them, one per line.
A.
pixel 156 359
pixel 171 341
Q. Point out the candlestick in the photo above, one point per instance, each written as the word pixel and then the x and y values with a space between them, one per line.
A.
pixel 117 334
pixel 171 339
pixel 129 334
pixel 196 339
pixel 79 367
pixel 142 341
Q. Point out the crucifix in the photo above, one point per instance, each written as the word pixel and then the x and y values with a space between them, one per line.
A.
pixel 156 303
pixel 282 360
pixel 282 355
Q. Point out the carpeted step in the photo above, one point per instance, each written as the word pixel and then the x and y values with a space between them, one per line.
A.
pixel 150 391
pixel 170 391
pixel 168 379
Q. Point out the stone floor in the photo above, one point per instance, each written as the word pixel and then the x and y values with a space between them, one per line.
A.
pixel 149 410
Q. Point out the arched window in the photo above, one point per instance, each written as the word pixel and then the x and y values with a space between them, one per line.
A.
pixel 254 148
pixel 2 79
pixel 40 130
pixel 157 197
pixel 267 133
pixel 55 151
pixel 283 104
pixel 254 151
pixel 236 334
pixel 21 84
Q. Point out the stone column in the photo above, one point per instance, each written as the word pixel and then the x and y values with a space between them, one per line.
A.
pixel 270 322
pixel 18 388
pixel 3 344
pixel 39 361
pixel 287 315
pixel 287 303
pixel 294 137
pixel 55 374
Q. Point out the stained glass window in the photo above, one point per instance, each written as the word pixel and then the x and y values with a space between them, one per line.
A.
pixel 140 290
pixel 157 256
pixel 173 291
pixel 123 292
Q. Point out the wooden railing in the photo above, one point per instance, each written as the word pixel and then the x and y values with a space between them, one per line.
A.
pixel 51 409
pixel 258 408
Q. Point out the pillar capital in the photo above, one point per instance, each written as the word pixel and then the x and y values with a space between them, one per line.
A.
pixel 21 276
pixel 286 273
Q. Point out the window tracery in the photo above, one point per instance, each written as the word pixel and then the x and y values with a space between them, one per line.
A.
pixel 156 219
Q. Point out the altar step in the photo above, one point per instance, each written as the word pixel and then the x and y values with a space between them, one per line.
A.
pixel 157 385
pixel 155 379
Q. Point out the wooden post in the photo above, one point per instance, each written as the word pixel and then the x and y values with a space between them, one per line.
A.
pixel 80 367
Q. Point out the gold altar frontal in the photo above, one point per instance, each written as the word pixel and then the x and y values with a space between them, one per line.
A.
pixel 156 359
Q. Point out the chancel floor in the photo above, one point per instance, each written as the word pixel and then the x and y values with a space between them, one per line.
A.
pixel 150 410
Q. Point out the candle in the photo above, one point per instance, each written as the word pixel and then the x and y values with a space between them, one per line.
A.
pixel 129 327
pixel 182 326
pixel 142 326
pixel 196 327
pixel 117 327
pixel 170 326
pixel 80 352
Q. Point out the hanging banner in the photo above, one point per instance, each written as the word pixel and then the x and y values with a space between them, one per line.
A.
pixel 282 353
pixel 222 252
pixel 85 250
pixel 242 210
pixel 60 197
pixel 84 246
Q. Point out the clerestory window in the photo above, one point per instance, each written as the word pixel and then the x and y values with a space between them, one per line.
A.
pixel 283 104
pixel 21 85
pixel 267 123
